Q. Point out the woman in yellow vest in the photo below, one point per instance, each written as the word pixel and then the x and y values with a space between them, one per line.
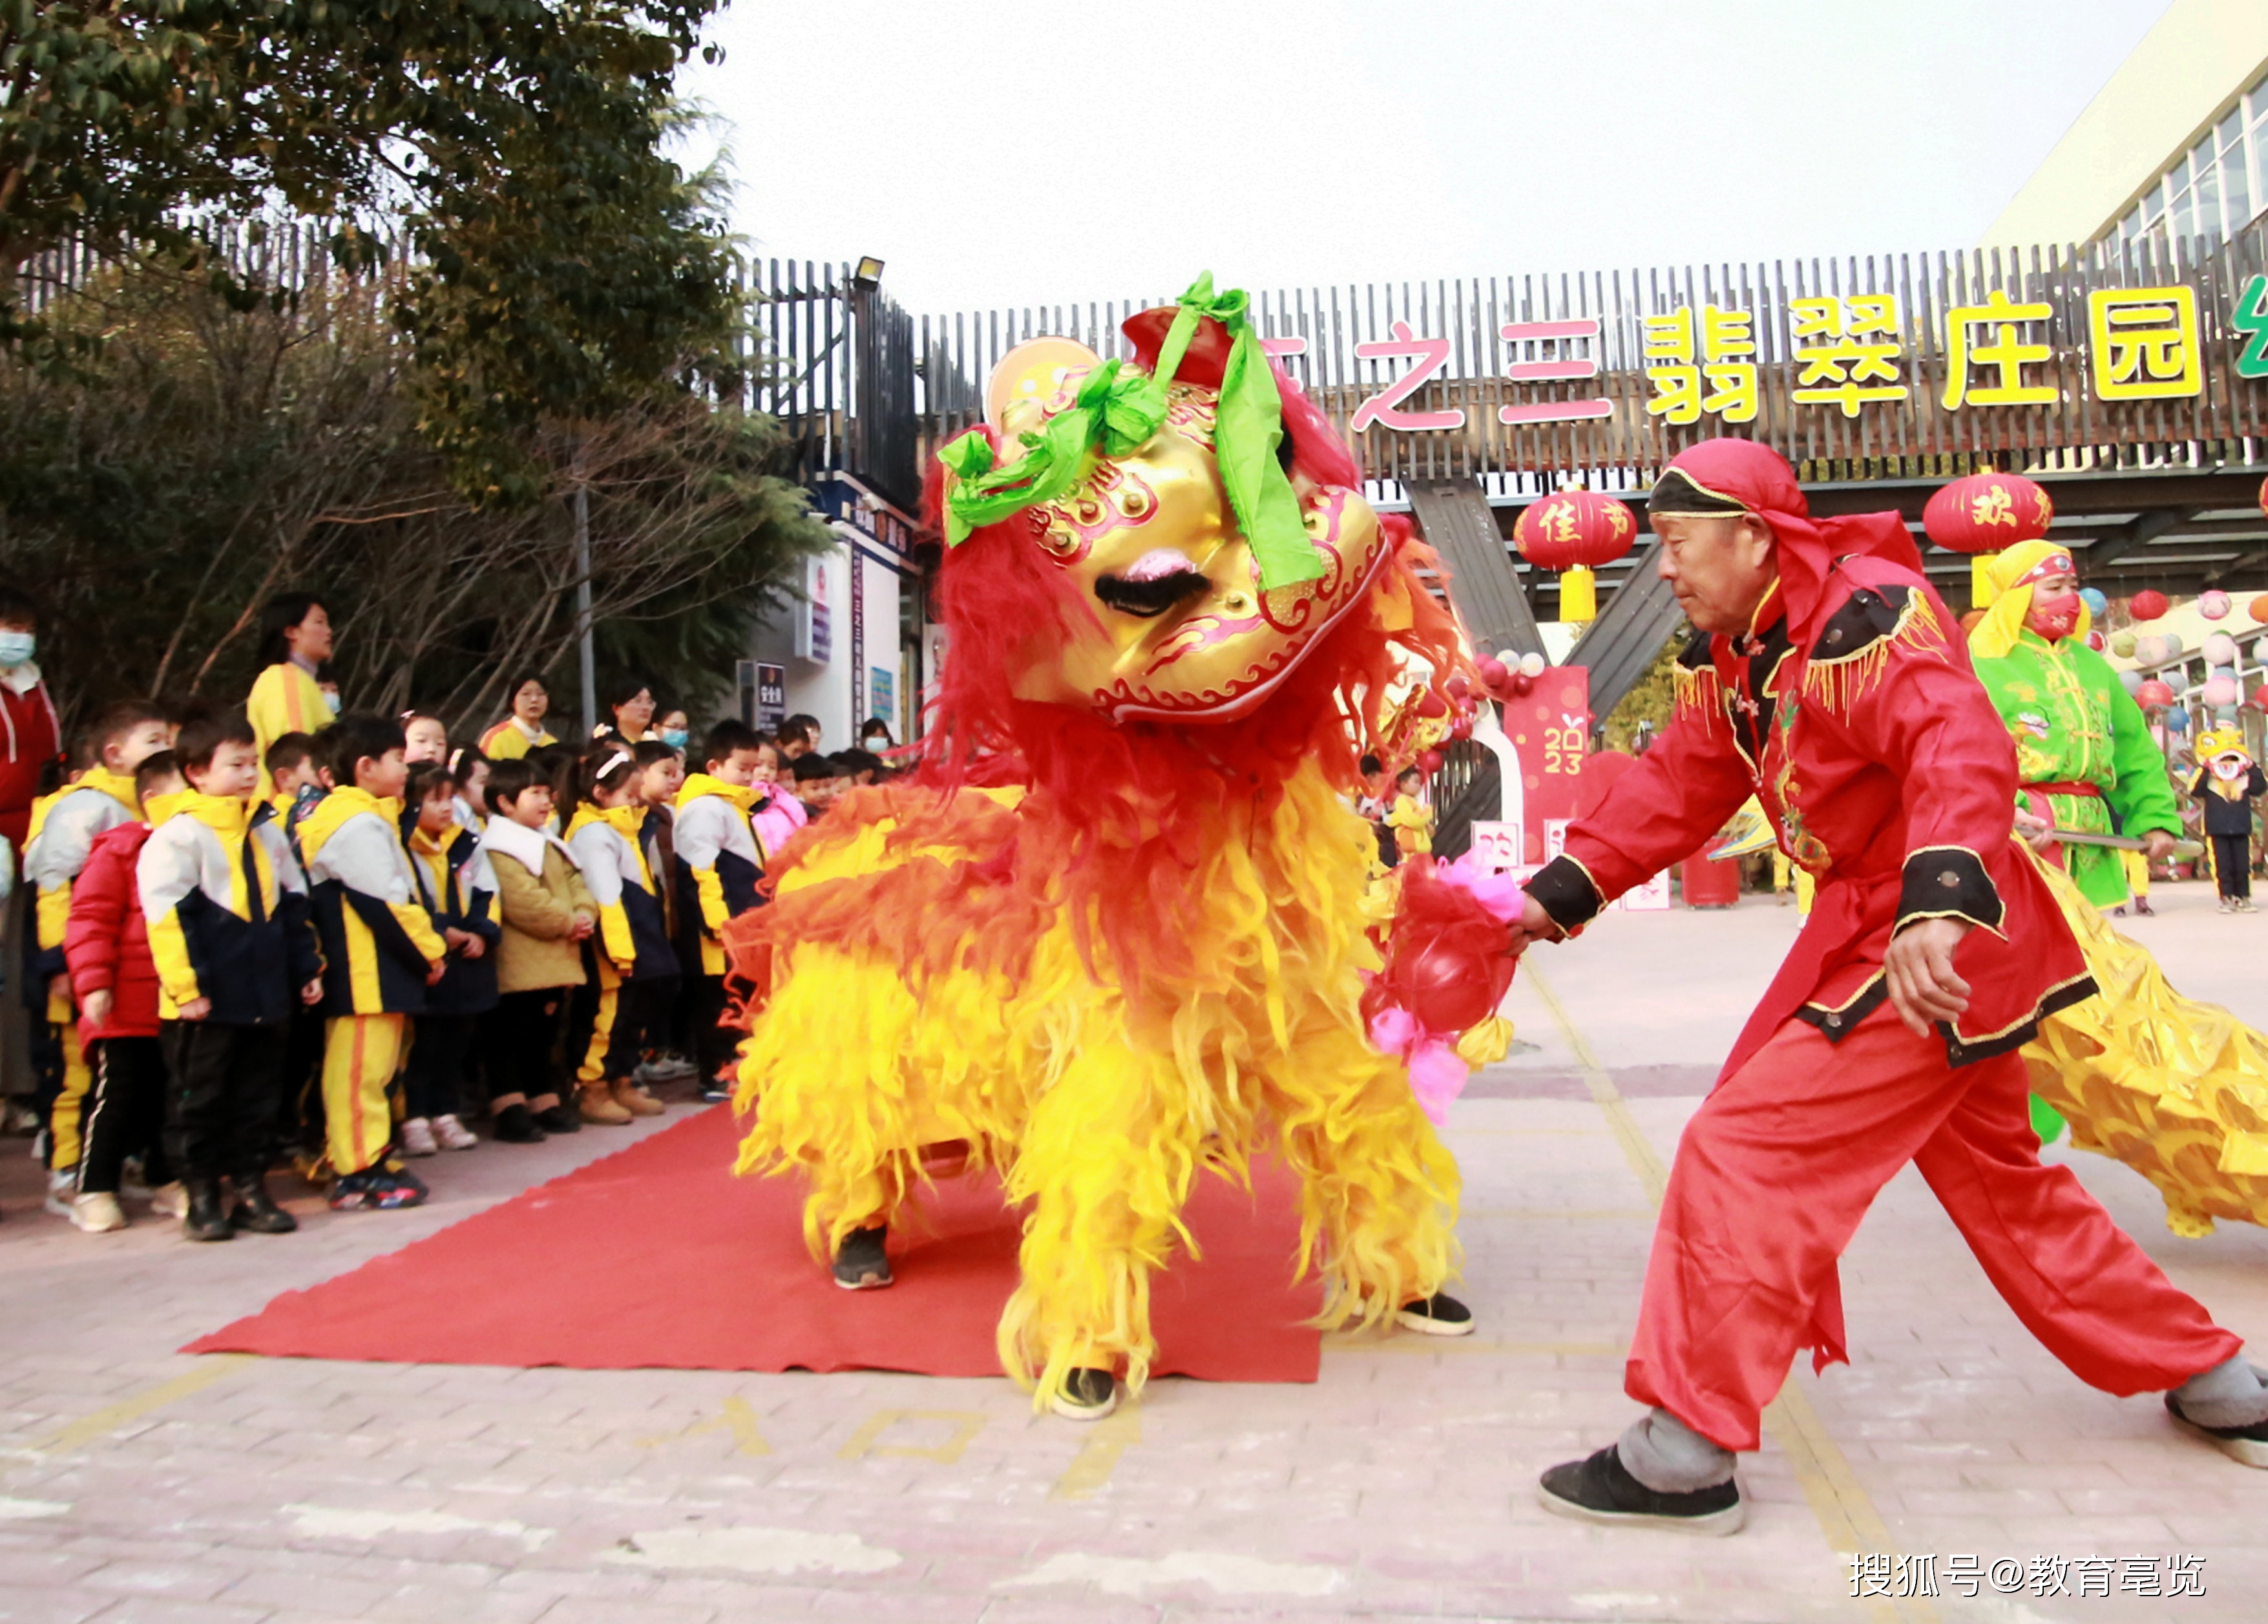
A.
pixel 295 639
pixel 523 730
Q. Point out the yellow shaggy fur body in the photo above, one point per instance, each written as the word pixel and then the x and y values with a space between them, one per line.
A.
pixel 1101 1093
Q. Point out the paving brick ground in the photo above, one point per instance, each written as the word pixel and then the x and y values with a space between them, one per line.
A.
pixel 136 1484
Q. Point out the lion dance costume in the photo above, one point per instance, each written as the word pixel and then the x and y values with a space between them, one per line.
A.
pixel 1113 933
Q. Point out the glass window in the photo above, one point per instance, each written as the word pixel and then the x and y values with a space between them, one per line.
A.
pixel 2153 205
pixel 2130 228
pixel 2179 180
pixel 2231 130
pixel 2181 219
pixel 2235 189
pixel 2208 193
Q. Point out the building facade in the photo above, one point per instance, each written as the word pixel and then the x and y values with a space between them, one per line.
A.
pixel 2174 146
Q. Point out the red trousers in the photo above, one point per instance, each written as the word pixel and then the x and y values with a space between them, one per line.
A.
pixel 1782 1161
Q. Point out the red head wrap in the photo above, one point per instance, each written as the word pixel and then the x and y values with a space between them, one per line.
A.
pixel 1725 476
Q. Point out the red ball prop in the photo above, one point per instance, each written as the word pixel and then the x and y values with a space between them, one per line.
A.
pixel 1430 761
pixel 1493 672
pixel 1431 705
pixel 1446 990
pixel 1985 512
pixel 1462 729
pixel 2146 604
pixel 1459 686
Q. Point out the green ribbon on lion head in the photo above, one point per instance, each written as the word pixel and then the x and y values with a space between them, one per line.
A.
pixel 1116 410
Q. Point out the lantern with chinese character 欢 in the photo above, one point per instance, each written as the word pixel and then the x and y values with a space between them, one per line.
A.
pixel 1575 532
pixel 2146 604
pixel 1982 514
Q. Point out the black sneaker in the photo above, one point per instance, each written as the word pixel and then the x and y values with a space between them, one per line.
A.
pixel 1602 1490
pixel 2248 1445
pixel 860 1264
pixel 257 1210
pixel 207 1220
pixel 1439 1315
pixel 516 1125
pixel 559 1118
pixel 1087 1395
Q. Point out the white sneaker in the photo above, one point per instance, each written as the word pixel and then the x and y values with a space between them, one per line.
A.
pixel 170 1201
pixel 98 1213
pixel 63 1184
pixel 417 1138
pixel 453 1134
pixel 666 1069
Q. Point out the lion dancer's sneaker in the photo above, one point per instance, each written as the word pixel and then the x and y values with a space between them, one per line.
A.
pixel 860 1263
pixel 1439 1315
pixel 2227 1406
pixel 1660 1474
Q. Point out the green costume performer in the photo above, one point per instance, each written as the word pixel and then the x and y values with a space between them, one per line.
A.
pixel 2083 751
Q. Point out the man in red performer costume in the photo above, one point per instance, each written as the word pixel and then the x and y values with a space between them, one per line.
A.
pixel 1833 684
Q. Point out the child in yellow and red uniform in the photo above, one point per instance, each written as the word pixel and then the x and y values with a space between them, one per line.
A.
pixel 63 835
pixel 226 910
pixel 380 953
pixel 719 864
pixel 622 1007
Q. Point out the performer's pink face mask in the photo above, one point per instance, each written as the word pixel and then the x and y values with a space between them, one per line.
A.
pixel 2055 606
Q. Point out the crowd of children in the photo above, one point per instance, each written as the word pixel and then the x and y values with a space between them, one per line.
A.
pixel 258 944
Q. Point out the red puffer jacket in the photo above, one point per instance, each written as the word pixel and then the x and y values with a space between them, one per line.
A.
pixel 107 944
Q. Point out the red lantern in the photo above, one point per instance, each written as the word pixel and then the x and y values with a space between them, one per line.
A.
pixel 2146 604
pixel 2154 695
pixel 2096 641
pixel 2260 697
pixel 1987 512
pixel 1575 531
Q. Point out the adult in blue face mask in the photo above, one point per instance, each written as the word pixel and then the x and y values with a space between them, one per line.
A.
pixel 31 735
pixel 674 730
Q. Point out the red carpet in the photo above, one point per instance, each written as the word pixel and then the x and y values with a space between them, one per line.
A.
pixel 658 1256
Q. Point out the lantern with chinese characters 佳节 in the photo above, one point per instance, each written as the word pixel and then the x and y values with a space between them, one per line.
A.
pixel 1984 514
pixel 1575 532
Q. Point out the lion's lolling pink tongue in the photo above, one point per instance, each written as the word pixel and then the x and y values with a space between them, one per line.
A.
pixel 1159 563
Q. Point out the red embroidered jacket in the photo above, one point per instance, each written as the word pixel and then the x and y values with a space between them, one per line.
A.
pixel 1880 759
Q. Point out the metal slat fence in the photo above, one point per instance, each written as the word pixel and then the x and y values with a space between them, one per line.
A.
pixel 1624 444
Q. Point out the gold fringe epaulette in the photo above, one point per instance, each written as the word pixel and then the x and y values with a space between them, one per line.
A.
pixel 1700 696
pixel 1835 683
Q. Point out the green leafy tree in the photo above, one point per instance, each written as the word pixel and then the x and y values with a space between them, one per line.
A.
pixel 515 148
pixel 205 457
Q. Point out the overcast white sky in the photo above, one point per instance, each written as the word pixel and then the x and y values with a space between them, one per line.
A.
pixel 1011 151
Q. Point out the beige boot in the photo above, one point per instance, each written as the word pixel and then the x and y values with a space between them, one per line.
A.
pixel 598 1104
pixel 635 1100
